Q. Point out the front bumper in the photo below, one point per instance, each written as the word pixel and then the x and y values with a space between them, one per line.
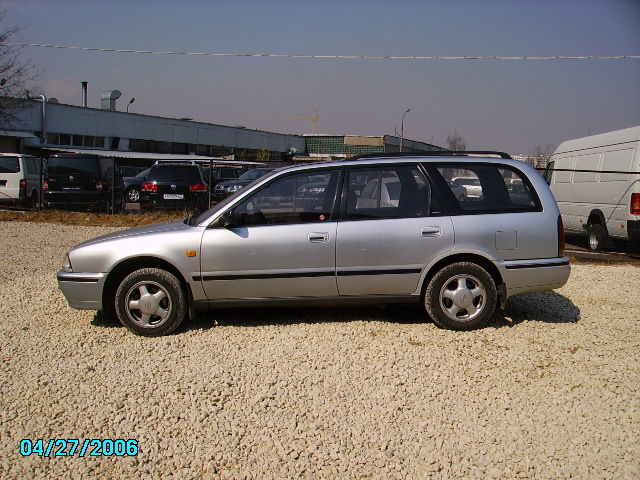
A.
pixel 522 276
pixel 82 290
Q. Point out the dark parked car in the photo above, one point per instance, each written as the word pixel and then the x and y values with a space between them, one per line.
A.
pixel 174 185
pixel 221 174
pixel 132 186
pixel 229 187
pixel 81 182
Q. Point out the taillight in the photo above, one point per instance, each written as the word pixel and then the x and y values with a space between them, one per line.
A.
pixel 45 186
pixel 198 187
pixel 634 205
pixel 149 187
pixel 23 187
pixel 99 185
pixel 560 237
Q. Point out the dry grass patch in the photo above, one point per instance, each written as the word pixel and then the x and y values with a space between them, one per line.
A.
pixel 88 219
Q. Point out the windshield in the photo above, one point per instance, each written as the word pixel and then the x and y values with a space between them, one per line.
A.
pixel 9 165
pixel 255 173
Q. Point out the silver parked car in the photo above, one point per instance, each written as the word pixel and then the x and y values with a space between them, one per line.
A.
pixel 386 229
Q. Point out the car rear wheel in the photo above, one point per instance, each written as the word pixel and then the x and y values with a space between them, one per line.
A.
pixel 151 302
pixel 132 195
pixel 461 296
pixel 597 236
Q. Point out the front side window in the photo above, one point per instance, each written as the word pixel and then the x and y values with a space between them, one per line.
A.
pixel 387 191
pixel 482 188
pixel 297 198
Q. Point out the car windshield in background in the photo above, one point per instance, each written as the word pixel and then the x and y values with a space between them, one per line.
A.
pixel 9 165
pixel 176 174
pixel 63 166
pixel 255 173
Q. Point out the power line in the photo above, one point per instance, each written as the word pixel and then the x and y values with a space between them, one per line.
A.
pixel 339 57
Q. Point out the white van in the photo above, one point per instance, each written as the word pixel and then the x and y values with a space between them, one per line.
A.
pixel 19 179
pixel 596 182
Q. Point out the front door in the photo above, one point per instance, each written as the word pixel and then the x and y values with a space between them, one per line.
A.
pixel 282 242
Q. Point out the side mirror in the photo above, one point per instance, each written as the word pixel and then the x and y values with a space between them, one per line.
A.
pixel 227 219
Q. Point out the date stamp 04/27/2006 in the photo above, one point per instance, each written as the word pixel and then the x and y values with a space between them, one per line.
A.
pixel 69 447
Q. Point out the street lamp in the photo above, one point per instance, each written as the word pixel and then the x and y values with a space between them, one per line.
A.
pixel 133 99
pixel 402 128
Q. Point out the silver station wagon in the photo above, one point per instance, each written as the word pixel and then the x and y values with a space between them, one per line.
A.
pixel 379 229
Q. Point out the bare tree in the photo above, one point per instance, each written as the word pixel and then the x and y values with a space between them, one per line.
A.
pixel 15 74
pixel 455 142
pixel 542 154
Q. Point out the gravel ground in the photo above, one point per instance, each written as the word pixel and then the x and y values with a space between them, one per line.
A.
pixel 549 391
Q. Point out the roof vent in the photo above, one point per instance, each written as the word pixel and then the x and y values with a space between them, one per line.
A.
pixel 108 99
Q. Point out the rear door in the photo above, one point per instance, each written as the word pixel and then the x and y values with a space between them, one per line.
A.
pixel 391 227
pixel 10 176
pixel 73 174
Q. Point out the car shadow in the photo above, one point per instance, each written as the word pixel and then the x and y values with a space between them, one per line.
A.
pixel 280 316
pixel 547 306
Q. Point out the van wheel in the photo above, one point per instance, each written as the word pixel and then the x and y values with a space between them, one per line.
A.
pixel 32 202
pixel 461 296
pixel 151 302
pixel 597 236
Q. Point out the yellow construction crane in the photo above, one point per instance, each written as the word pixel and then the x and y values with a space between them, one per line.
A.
pixel 313 118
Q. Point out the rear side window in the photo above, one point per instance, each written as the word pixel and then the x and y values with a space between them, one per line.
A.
pixel 9 165
pixel 489 188
pixel 387 191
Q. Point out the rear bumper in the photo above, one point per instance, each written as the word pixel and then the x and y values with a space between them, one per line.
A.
pixel 74 199
pixel 82 290
pixel 522 276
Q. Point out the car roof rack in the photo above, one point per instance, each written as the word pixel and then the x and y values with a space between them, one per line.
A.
pixel 441 153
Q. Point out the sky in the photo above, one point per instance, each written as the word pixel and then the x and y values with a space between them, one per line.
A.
pixel 512 106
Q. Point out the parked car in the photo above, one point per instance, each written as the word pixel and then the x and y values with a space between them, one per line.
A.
pixel 388 240
pixel 471 185
pixel 596 181
pixel 133 184
pixel 173 185
pixel 19 179
pixel 229 187
pixel 220 174
pixel 78 181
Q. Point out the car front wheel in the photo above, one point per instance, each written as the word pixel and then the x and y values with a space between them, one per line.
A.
pixel 461 296
pixel 151 302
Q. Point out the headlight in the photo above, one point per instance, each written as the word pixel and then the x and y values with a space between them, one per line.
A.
pixel 66 263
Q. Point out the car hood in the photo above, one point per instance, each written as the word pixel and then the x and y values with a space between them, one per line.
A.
pixel 141 230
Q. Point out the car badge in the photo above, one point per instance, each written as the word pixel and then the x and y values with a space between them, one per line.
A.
pixel 173 187
pixel 71 178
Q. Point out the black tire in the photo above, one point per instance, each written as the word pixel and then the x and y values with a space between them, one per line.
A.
pixel 32 201
pixel 165 302
pixel 461 296
pixel 132 195
pixel 597 236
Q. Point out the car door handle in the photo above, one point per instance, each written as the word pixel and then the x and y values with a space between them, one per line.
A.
pixel 430 231
pixel 319 237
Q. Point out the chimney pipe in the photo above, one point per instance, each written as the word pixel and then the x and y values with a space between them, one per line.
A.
pixel 108 100
pixel 84 94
